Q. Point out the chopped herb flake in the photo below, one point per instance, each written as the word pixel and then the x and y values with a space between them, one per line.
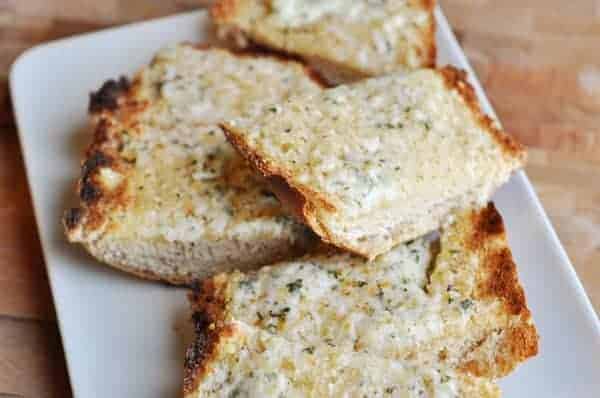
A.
pixel 466 304
pixel 294 286
pixel 281 315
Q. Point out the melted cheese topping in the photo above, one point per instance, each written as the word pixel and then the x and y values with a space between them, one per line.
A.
pixel 383 307
pixel 334 325
pixel 255 364
pixel 381 151
pixel 184 180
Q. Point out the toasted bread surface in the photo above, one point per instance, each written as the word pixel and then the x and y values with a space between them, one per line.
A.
pixel 162 194
pixel 249 362
pixel 382 161
pixel 356 39
pixel 454 305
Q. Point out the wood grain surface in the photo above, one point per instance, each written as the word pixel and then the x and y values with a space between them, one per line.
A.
pixel 539 61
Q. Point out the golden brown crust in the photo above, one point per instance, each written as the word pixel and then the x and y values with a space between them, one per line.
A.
pixel 517 344
pixel 428 33
pixel 108 96
pixel 457 79
pixel 498 267
pixel 498 280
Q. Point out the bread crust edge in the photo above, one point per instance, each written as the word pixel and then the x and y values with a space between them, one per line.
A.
pixel 456 79
pixel 500 281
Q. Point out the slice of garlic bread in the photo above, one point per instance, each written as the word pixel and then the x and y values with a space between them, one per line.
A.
pixel 451 305
pixel 348 39
pixel 162 193
pixel 243 361
pixel 379 162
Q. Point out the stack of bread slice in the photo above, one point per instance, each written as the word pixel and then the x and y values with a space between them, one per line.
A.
pixel 386 270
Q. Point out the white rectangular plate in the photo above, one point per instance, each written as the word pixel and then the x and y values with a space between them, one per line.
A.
pixel 123 337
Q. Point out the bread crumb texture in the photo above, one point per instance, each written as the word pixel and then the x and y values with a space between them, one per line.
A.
pixel 425 319
pixel 381 161
pixel 162 193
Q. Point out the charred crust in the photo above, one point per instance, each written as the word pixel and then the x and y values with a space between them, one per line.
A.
pixel 207 302
pixel 107 97
pixel 487 223
pixel 101 134
pixel 96 160
pixel 456 79
pixel 89 192
pixel 196 290
pixel 72 217
pixel 200 351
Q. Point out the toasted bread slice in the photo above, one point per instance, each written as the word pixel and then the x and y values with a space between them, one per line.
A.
pixel 379 162
pixel 346 39
pixel 243 361
pixel 162 193
pixel 454 306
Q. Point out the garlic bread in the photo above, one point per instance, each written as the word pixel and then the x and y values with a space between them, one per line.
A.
pixel 444 313
pixel 379 162
pixel 162 193
pixel 346 39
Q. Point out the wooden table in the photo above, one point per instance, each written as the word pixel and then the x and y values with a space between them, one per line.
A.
pixel 538 59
